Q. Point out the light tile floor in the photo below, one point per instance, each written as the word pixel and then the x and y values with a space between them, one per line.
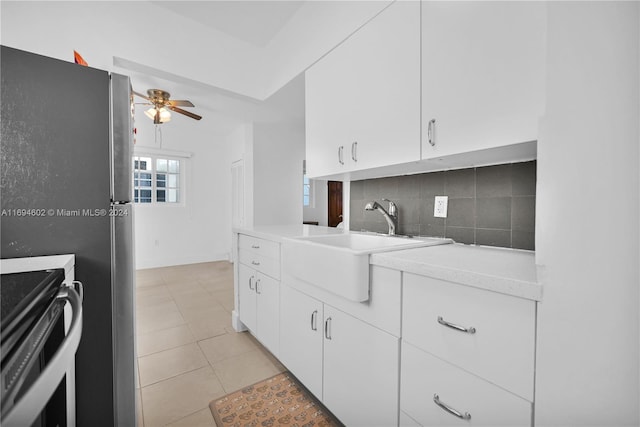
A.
pixel 188 352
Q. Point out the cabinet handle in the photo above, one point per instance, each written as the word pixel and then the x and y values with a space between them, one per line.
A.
pixel 327 328
pixel 251 283
pixel 314 321
pixel 341 154
pixel 469 330
pixel 257 289
pixel 354 151
pixel 431 132
pixel 255 246
pixel 255 263
pixel 449 409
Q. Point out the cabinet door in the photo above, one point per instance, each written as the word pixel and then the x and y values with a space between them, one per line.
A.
pixel 268 312
pixel 247 296
pixel 364 96
pixel 301 337
pixel 483 70
pixel 360 371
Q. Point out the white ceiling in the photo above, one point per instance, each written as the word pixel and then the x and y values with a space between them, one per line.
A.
pixel 254 22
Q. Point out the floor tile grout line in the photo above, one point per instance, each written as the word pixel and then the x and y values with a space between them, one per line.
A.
pixel 173 376
pixel 187 416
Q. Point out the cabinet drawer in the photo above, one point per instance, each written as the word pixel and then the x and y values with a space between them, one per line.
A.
pixel 425 376
pixel 259 246
pixel 501 346
pixel 267 265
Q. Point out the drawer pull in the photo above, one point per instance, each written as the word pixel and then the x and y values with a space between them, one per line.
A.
pixel 255 263
pixel 469 330
pixel 314 320
pixel 255 246
pixel 449 409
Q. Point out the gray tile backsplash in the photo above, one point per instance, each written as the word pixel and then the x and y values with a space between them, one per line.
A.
pixel 492 205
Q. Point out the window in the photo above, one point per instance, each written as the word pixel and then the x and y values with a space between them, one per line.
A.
pixel 306 191
pixel 307 187
pixel 157 179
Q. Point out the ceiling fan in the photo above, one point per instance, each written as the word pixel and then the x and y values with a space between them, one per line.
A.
pixel 162 103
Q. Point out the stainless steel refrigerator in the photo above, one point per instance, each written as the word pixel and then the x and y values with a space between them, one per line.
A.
pixel 65 163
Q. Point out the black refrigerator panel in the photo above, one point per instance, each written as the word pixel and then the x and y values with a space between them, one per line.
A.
pixel 55 184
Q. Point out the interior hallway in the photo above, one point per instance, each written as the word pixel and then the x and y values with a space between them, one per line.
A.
pixel 188 353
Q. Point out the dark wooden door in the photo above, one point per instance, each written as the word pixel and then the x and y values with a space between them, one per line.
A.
pixel 334 203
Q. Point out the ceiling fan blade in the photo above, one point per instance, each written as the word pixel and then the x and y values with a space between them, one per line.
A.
pixel 186 113
pixel 180 103
pixel 142 96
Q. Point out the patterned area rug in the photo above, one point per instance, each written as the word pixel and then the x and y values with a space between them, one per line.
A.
pixel 278 401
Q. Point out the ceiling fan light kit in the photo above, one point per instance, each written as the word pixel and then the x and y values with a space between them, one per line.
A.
pixel 162 103
pixel 158 115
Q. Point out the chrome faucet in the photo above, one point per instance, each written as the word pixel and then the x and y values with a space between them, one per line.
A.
pixel 391 217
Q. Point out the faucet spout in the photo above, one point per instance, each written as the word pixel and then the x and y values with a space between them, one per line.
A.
pixel 391 217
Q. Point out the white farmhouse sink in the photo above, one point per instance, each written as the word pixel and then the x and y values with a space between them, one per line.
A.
pixel 339 263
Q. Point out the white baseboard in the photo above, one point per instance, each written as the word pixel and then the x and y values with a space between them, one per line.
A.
pixel 144 263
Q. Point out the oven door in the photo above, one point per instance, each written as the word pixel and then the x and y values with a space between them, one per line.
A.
pixel 34 390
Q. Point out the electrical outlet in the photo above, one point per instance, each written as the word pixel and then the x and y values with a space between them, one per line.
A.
pixel 440 206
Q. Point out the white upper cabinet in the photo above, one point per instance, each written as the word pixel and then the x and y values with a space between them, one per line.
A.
pixel 363 98
pixel 483 71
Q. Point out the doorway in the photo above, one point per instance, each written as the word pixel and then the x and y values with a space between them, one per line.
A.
pixel 334 196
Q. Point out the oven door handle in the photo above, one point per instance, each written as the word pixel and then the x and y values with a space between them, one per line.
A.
pixel 34 400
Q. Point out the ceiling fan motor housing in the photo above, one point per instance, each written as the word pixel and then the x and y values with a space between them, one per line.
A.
pixel 158 95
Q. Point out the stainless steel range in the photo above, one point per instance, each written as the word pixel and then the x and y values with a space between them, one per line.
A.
pixel 40 329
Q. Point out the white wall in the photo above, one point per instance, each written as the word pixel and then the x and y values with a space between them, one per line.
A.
pixel 277 185
pixel 587 226
pixel 272 148
pixel 200 230
pixel 278 152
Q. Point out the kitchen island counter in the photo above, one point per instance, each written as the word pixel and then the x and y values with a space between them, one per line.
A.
pixel 278 232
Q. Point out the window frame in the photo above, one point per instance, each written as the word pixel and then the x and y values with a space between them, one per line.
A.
pixel 310 184
pixel 154 157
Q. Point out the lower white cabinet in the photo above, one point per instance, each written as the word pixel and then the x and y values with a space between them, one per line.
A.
pixel 436 393
pixel 487 333
pixel 301 337
pixel 350 365
pixel 259 297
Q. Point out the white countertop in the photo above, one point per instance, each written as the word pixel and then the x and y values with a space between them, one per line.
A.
pixel 507 271
pixel 279 232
